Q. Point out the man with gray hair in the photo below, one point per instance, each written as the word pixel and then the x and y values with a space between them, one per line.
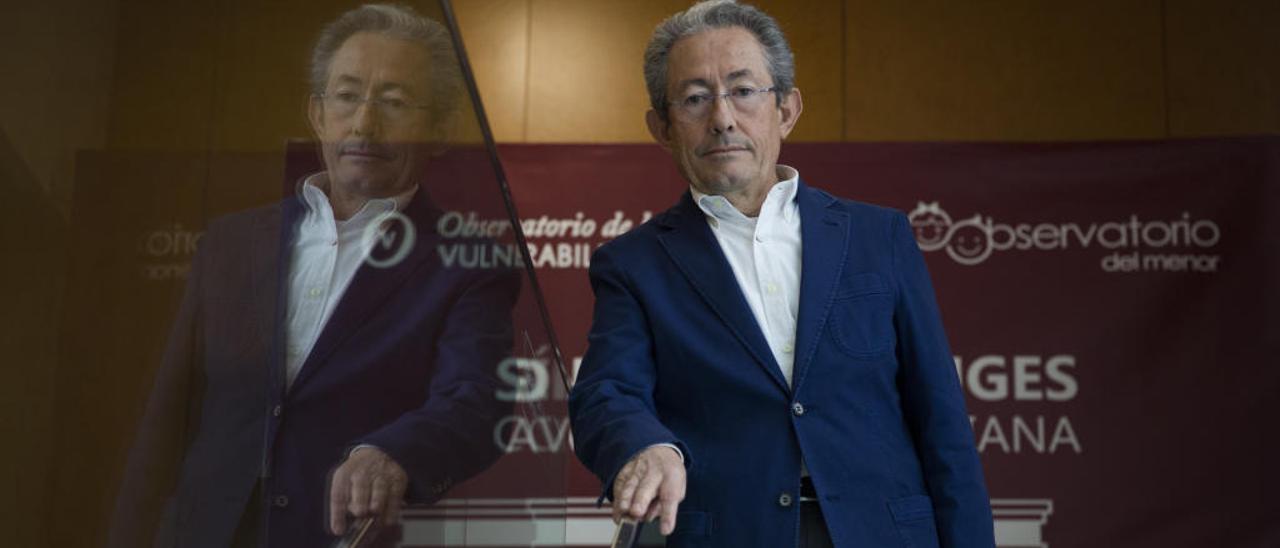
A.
pixel 325 365
pixel 766 364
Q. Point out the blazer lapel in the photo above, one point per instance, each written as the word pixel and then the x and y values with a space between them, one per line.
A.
pixel 276 232
pixel 372 285
pixel 824 233
pixel 697 254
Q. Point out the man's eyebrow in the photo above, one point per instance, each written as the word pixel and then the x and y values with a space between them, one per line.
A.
pixel 686 84
pixel 384 87
pixel 348 79
pixel 739 74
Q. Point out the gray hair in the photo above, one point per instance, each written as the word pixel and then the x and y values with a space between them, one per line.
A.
pixel 714 14
pixel 402 22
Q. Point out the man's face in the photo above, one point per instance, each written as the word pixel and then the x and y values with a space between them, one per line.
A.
pixel 730 148
pixel 372 123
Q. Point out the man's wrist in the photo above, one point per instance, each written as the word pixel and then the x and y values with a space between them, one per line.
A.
pixel 362 446
pixel 673 448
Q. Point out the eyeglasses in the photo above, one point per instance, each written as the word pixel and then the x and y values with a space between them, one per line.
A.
pixel 344 104
pixel 744 99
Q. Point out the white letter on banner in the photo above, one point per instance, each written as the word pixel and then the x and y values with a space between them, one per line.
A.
pixel 999 388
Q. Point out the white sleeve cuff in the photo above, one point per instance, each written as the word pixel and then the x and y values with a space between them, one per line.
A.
pixel 671 445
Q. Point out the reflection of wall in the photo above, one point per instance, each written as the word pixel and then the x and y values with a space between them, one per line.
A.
pixel 32 237
pixel 136 218
pixel 57 62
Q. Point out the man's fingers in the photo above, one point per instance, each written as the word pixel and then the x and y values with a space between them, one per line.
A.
pixel 668 523
pixel 339 496
pixel 622 492
pixel 378 494
pixel 367 484
pixel 655 509
pixel 673 488
pixel 671 493
pixel 359 504
pixel 645 493
pixel 622 498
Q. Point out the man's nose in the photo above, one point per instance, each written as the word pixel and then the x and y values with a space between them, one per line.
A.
pixel 722 115
pixel 365 120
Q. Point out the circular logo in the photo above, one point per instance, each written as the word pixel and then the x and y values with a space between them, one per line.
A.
pixel 390 240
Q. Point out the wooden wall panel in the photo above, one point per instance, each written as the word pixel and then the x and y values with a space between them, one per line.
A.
pixel 57 84
pixel 585 81
pixel 1224 67
pixel 815 29
pixel 597 46
pixel 33 237
pixel 569 70
pixel 496 33
pixel 262 54
pixel 57 64
pixel 164 73
pixel 1032 70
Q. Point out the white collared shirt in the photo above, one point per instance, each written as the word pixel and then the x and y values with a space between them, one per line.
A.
pixel 764 253
pixel 325 257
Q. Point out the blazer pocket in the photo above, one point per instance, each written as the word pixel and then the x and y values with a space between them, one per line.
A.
pixel 860 283
pixel 913 517
pixel 862 316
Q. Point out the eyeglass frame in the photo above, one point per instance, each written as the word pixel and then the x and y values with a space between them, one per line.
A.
pixel 380 102
pixel 726 95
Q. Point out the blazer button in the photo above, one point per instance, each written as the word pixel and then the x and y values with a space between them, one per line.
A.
pixel 797 409
pixel 281 501
pixel 784 500
pixel 277 410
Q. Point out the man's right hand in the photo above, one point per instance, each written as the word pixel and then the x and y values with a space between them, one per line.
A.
pixel 651 484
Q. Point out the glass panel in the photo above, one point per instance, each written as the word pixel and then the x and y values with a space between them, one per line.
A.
pixel 256 286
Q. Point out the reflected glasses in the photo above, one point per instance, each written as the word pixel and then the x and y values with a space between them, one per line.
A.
pixel 697 106
pixel 344 104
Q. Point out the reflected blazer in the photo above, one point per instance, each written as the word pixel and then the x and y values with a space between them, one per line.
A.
pixel 406 362
pixel 876 412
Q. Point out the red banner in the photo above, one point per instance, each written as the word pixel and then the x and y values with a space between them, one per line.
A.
pixel 1112 308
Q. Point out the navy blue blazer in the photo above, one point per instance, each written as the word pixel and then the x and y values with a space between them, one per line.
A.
pixel 407 362
pixel 876 411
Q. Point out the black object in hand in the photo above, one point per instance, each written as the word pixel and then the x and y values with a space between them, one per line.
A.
pixel 627 533
pixel 358 534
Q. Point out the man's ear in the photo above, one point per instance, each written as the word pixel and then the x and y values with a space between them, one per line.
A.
pixel 315 114
pixel 790 108
pixel 658 128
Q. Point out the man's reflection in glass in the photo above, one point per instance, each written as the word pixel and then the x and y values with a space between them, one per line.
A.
pixel 324 366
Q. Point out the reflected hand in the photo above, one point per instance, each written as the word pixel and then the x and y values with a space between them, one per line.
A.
pixel 368 483
pixel 651 484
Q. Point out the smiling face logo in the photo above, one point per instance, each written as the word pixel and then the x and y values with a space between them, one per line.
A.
pixel 931 226
pixel 969 241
